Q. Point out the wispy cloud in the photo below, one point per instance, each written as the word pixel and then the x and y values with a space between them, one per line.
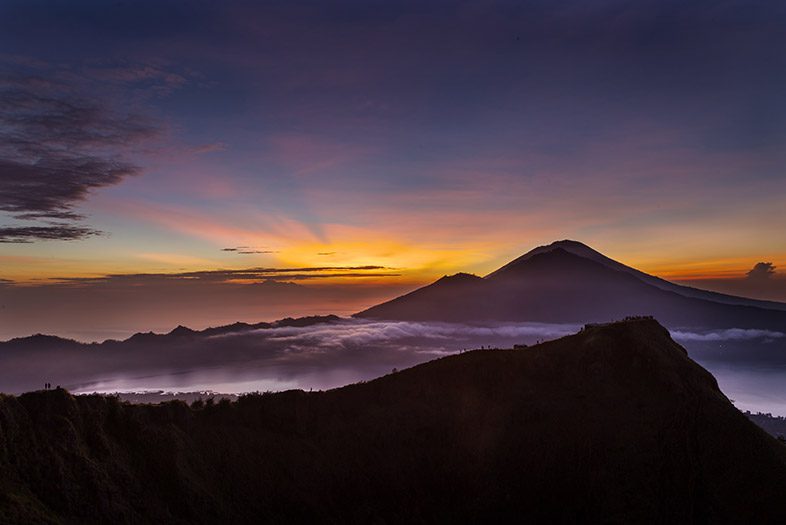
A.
pixel 247 250
pixel 256 274
pixel 731 334
pixel 149 76
pixel 60 232
pixel 212 147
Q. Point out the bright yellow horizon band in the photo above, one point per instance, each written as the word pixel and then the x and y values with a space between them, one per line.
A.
pixel 402 265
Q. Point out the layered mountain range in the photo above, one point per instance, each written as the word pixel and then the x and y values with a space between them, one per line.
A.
pixel 615 424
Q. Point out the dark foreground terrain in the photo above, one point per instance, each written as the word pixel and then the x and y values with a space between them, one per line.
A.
pixel 615 424
pixel 773 425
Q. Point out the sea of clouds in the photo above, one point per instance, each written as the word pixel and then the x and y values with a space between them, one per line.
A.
pixel 320 356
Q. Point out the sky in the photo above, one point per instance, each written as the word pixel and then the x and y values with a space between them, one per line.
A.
pixel 168 162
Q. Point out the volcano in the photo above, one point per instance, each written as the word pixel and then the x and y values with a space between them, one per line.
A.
pixel 569 282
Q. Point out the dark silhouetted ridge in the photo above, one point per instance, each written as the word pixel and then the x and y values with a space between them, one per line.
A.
pixel 40 341
pixel 614 424
pixel 442 296
pixel 182 331
pixel 51 341
pixel 309 320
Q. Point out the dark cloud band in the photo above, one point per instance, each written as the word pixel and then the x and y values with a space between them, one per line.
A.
pixel 213 276
pixel 56 147
pixel 26 234
pixel 247 250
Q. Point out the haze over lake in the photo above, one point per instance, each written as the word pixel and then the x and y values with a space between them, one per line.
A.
pixel 333 354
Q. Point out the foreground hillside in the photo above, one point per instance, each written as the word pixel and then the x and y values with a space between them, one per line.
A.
pixel 614 424
pixel 773 425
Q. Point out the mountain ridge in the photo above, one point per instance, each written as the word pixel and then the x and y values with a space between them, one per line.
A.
pixel 614 423
pixel 581 249
pixel 554 284
pixel 179 331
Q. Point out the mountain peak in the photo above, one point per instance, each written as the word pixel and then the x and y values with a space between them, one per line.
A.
pixel 181 330
pixel 458 277
pixel 568 281
pixel 568 245
pixel 583 250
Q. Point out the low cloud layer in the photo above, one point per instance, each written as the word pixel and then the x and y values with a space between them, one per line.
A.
pixel 323 355
pixel 444 336
pixel 732 334
pixel 319 356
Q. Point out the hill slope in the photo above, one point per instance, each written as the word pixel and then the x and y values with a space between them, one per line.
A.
pixel 614 424
pixel 559 286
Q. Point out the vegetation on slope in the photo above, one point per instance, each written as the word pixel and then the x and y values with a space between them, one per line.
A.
pixel 614 424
